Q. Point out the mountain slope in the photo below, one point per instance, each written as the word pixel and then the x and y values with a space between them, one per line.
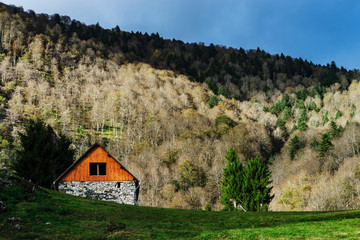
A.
pixel 169 110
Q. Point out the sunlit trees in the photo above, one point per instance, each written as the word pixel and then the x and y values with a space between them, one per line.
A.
pixel 245 187
pixel 232 181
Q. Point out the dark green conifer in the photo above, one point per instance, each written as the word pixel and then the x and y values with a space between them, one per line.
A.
pixel 231 184
pixel 245 188
pixel 325 145
pixel 295 146
pixel 256 178
pixel 44 155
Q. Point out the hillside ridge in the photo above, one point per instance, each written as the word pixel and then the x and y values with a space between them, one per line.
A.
pixel 169 111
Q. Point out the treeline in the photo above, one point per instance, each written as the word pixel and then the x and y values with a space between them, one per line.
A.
pixel 249 70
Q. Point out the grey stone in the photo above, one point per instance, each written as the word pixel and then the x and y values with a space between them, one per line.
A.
pixel 116 191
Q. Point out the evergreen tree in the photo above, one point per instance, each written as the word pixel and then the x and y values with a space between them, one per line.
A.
pixel 256 178
pixel 302 126
pixel 325 145
pixel 231 184
pixel 44 155
pixel 295 146
pixel 245 187
pixel 335 131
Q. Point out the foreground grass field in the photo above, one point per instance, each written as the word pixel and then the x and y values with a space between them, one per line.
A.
pixel 54 215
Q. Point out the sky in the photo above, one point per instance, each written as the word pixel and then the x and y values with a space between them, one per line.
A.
pixel 320 31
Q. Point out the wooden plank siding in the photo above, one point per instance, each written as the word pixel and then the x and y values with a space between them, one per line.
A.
pixel 81 171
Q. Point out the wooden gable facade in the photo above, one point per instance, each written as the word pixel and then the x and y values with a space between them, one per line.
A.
pixel 98 175
pixel 91 166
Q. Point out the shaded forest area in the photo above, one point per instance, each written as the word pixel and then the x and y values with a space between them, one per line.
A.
pixel 169 110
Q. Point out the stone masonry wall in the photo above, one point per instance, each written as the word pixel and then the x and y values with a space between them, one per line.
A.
pixel 116 191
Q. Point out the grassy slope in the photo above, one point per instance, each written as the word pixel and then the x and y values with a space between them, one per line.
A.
pixel 60 216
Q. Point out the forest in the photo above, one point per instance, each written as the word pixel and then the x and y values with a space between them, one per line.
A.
pixel 169 110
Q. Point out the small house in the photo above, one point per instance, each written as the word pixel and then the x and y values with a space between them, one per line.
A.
pixel 98 175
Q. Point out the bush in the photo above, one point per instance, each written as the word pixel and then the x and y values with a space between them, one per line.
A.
pixel 213 101
pixel 312 107
pixel 353 108
pixel 287 113
pixel 224 91
pixel 208 207
pixel 190 175
pixel 325 117
pixel 170 156
pixel 224 119
pixel 281 124
pixel 335 131
pixel 299 104
pixel 302 126
pixel 314 144
pixel 338 115
pixel 213 87
pixel 278 107
pixel 302 94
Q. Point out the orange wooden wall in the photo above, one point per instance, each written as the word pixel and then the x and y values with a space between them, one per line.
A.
pixel 81 171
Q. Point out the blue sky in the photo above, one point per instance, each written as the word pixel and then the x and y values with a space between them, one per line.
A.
pixel 317 30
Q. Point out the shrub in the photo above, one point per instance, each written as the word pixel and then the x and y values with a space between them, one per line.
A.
pixel 190 175
pixel 213 87
pixel 222 129
pixel 314 144
pixel 338 115
pixel 302 126
pixel 353 108
pixel 213 101
pixel 208 207
pixel 296 196
pixel 299 104
pixel 168 192
pixel 302 94
pixel 312 106
pixel 224 119
pixel 335 131
pixel 170 157
pixel 281 124
pixel 224 91
pixel 278 107
pixel 287 113
pixel 325 117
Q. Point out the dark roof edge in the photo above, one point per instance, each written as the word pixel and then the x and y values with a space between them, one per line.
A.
pixel 95 145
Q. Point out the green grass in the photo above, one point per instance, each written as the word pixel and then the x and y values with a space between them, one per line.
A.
pixel 55 215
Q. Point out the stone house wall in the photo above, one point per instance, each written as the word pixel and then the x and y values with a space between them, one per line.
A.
pixel 116 191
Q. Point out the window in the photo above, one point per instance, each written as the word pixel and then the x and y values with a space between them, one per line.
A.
pixel 97 169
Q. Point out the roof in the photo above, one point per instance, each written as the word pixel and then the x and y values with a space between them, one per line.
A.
pixel 93 147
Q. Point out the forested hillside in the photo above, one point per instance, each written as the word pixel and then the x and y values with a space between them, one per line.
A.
pixel 169 110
